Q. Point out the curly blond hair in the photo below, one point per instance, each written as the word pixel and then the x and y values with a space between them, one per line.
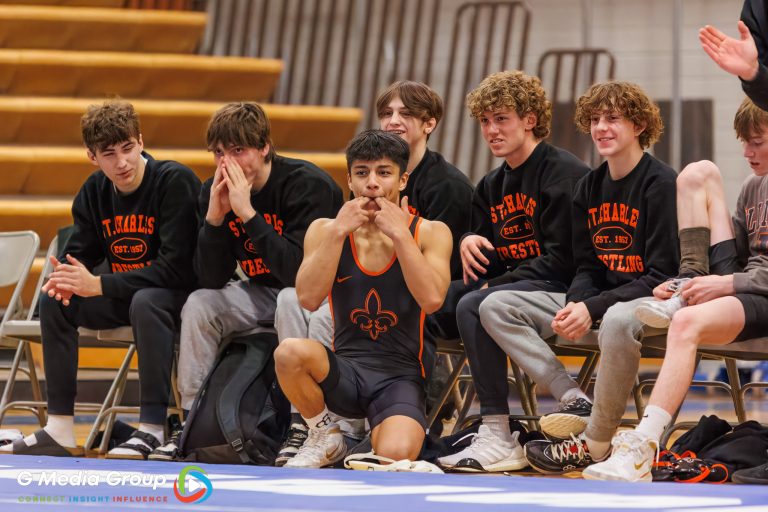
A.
pixel 750 120
pixel 626 99
pixel 516 91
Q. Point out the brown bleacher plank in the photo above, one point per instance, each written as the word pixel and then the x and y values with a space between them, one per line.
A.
pixel 43 216
pixel 182 124
pixel 170 76
pixel 60 171
pixel 92 28
pixel 68 3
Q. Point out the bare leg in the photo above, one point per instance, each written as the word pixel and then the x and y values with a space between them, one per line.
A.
pixel 701 201
pixel 300 364
pixel 716 322
pixel 398 437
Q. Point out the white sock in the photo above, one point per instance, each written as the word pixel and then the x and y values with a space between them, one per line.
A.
pixel 572 394
pixel 320 422
pixel 598 450
pixel 156 430
pixel 60 428
pixel 498 424
pixel 655 420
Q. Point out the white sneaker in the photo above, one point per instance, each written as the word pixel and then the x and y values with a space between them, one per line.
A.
pixel 658 313
pixel 323 447
pixel 487 453
pixel 631 459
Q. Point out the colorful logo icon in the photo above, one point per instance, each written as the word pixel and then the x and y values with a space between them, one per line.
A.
pixel 198 485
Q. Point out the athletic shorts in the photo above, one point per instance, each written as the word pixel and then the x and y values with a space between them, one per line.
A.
pixel 352 390
pixel 723 260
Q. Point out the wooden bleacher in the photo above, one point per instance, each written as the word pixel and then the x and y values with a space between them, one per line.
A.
pixel 57 58
pixel 177 124
pixel 92 28
pixel 136 75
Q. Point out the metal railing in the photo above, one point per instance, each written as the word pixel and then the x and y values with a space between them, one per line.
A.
pixel 487 37
pixel 566 74
pixel 335 52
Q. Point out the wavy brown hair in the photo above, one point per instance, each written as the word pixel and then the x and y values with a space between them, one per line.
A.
pixel 516 91
pixel 750 120
pixel 109 123
pixel 626 99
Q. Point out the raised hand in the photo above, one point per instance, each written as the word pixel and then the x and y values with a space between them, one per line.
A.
pixel 239 189
pixel 391 219
pixel 473 260
pixel 218 204
pixel 352 215
pixel 736 56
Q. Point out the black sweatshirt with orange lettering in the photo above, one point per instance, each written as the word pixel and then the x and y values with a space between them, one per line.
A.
pixel 624 235
pixel 270 246
pixel 147 236
pixel 437 190
pixel 525 213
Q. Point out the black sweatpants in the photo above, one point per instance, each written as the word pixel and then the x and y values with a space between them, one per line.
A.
pixel 488 362
pixel 153 314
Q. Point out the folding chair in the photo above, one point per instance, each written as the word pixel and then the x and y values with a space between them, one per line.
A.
pixel 23 332
pixel 17 252
pixel 749 350
pixel 455 347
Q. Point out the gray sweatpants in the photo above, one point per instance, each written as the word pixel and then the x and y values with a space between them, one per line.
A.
pixel 207 318
pixel 293 321
pixel 520 321
pixel 620 338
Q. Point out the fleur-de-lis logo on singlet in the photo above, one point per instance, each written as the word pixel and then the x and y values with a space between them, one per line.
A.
pixel 372 318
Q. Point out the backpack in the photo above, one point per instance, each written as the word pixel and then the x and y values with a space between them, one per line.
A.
pixel 240 415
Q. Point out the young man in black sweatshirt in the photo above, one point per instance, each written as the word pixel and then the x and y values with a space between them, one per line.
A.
pixel 138 215
pixel 520 240
pixel 436 190
pixel 256 210
pixel 720 297
pixel 624 239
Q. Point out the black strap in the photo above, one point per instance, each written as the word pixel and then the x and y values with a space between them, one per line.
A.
pixel 143 449
pixel 257 354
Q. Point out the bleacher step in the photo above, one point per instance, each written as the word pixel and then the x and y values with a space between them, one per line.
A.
pixel 136 75
pixel 177 124
pixel 94 28
pixel 68 3
pixel 60 171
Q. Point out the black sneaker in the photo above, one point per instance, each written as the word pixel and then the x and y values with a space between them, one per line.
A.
pixel 756 476
pixel 558 457
pixel 297 434
pixel 169 450
pixel 570 418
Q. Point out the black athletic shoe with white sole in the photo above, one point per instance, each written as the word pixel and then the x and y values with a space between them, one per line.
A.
pixel 569 418
pixel 297 435
pixel 558 457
